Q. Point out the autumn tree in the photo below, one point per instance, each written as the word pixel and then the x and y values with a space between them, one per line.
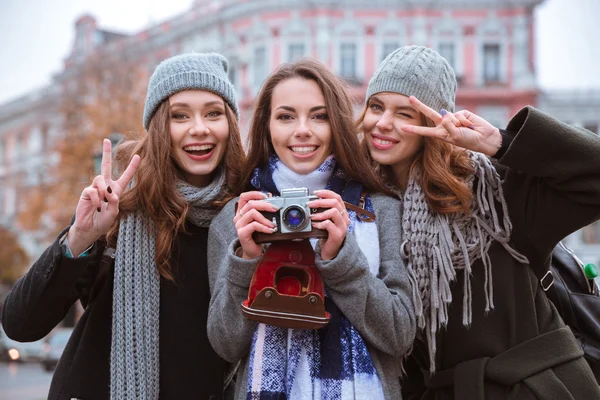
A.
pixel 13 258
pixel 101 97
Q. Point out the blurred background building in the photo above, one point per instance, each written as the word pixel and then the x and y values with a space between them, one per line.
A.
pixel 489 43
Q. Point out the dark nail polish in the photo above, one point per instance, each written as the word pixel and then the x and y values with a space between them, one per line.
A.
pixel 109 190
pixel 106 201
pixel 98 209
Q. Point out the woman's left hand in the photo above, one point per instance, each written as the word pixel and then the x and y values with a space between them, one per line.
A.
pixel 463 129
pixel 335 221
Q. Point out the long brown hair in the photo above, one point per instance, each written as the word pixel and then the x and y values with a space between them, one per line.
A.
pixel 154 193
pixel 344 143
pixel 444 172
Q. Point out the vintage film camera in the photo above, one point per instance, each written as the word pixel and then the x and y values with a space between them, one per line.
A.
pixel 293 217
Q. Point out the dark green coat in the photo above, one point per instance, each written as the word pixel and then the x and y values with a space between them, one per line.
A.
pixel 521 349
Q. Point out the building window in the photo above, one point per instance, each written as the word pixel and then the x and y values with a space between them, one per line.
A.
pixel 591 233
pixel 295 51
pixel 447 50
pixel 348 60
pixel 19 147
pixel 35 141
pixel 45 134
pixel 3 151
pixel 388 48
pixel 260 65
pixel 491 63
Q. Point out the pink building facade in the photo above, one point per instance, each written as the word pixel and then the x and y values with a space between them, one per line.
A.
pixel 490 45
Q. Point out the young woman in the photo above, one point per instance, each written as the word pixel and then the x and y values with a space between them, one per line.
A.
pixel 302 135
pixel 143 335
pixel 474 229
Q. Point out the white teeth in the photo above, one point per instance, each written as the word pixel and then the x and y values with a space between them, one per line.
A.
pixel 304 149
pixel 199 148
pixel 382 142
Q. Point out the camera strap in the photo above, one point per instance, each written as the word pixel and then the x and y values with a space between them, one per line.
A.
pixel 361 213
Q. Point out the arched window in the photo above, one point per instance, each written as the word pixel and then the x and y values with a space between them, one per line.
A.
pixel 390 35
pixel 491 54
pixel 349 51
pixel 447 40
pixel 295 40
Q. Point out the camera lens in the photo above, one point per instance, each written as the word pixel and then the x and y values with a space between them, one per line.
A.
pixel 294 218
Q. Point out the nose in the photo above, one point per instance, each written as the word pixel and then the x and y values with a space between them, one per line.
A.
pixel 303 128
pixel 385 122
pixel 199 127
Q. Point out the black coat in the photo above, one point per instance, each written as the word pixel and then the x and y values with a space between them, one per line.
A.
pixel 521 349
pixel 189 368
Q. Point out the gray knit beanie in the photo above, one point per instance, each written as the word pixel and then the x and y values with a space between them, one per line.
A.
pixel 188 72
pixel 416 71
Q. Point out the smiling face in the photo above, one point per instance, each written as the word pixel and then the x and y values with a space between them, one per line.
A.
pixel 299 125
pixel 387 143
pixel 199 133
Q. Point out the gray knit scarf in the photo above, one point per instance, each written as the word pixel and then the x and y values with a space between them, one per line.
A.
pixel 134 353
pixel 438 245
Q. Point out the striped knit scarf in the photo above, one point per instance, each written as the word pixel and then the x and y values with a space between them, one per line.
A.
pixel 134 353
pixel 332 362
pixel 438 245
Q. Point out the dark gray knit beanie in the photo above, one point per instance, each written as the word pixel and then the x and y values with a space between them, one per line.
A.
pixel 192 71
pixel 416 71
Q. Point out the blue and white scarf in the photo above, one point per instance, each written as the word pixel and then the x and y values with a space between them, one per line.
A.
pixel 332 362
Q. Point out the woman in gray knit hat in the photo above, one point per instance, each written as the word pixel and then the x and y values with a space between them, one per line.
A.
pixel 482 208
pixel 143 332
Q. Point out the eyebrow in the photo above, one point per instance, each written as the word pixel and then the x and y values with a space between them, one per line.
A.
pixel 207 104
pixel 405 108
pixel 288 108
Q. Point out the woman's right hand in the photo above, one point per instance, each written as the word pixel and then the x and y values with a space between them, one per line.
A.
pixel 98 205
pixel 248 220
pixel 463 129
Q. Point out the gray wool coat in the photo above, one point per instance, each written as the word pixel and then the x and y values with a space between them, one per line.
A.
pixel 388 325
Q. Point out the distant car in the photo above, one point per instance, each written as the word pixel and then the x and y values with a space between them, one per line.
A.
pixel 11 350
pixel 54 345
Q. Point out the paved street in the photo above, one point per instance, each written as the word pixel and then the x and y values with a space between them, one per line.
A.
pixel 23 381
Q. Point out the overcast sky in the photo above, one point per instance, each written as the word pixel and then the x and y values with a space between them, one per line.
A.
pixel 37 35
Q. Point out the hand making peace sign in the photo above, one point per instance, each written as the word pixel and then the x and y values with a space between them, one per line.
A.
pixel 463 129
pixel 98 205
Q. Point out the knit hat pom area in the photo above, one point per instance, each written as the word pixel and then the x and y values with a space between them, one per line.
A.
pixel 416 71
pixel 190 71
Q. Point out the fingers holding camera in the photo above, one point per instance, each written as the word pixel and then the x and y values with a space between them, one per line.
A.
pixel 334 220
pixel 331 201
pixel 249 219
pixel 336 233
pixel 250 249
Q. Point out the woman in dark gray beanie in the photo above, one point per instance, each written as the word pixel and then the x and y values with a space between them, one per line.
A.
pixel 143 332
pixel 473 229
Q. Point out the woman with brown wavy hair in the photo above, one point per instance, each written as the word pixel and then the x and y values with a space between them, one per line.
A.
pixel 143 332
pixel 474 229
pixel 302 135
